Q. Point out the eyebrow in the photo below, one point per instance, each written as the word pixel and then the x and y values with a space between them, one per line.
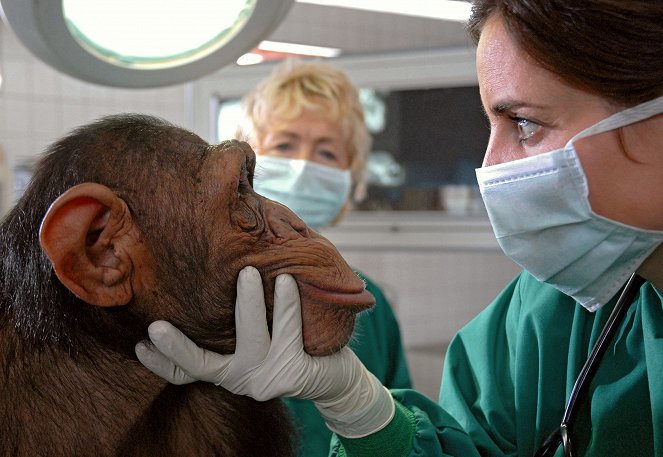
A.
pixel 500 108
pixel 324 139
pixel 286 133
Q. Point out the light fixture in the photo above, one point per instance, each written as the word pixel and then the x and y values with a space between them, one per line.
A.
pixel 279 50
pixel 298 49
pixel 250 58
pixel 141 43
pixel 452 10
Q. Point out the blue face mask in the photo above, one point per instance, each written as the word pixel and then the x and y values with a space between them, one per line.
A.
pixel 540 213
pixel 315 192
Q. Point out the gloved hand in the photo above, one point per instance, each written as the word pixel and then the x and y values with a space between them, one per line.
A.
pixel 350 399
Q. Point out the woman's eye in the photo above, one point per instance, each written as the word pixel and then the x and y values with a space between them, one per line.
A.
pixel 283 147
pixel 526 128
pixel 327 155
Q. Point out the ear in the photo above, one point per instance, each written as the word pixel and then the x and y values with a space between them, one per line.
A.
pixel 86 234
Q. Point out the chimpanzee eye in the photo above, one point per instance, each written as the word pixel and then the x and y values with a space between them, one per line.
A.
pixel 245 181
pixel 250 178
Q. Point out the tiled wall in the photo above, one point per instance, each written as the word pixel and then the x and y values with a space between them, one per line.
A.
pixel 38 104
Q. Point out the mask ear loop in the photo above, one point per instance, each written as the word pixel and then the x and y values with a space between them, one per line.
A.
pixel 563 434
pixel 623 118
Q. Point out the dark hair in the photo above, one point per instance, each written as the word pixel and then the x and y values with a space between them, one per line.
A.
pixel 147 161
pixel 613 48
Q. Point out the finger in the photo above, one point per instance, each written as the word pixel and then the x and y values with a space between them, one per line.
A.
pixel 161 365
pixel 287 324
pixel 185 354
pixel 251 318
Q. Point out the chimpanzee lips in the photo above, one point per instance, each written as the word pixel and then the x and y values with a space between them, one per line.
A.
pixel 354 301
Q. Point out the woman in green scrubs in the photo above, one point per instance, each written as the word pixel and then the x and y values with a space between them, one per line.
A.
pixel 572 182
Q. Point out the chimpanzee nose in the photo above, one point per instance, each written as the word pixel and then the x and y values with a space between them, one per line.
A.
pixel 283 223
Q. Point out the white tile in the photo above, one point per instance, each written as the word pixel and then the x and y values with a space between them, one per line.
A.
pixel 46 82
pixel 46 117
pixel 74 115
pixel 100 94
pixel 11 46
pixel 17 112
pixel 17 149
pixel 73 90
pixel 16 77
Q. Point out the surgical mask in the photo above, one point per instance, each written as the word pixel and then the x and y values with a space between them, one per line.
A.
pixel 316 193
pixel 540 213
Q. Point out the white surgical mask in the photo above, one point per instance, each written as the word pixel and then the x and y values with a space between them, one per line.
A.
pixel 315 192
pixel 540 213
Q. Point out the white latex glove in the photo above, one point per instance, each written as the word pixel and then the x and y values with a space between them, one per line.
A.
pixel 351 400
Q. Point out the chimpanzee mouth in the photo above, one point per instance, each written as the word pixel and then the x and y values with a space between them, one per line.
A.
pixel 354 301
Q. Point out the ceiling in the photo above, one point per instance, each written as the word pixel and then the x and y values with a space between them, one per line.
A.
pixel 361 32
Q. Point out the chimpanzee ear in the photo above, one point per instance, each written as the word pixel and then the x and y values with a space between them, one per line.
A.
pixel 84 234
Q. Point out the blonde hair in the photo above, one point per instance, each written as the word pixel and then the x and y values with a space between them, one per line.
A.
pixel 296 85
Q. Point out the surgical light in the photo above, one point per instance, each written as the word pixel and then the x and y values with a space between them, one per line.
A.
pixel 142 43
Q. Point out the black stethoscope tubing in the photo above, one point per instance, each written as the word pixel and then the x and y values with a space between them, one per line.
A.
pixel 562 434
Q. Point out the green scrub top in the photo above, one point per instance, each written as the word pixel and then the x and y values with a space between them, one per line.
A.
pixel 377 343
pixel 508 375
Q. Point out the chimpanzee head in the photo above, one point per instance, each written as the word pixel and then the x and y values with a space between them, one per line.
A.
pixel 130 219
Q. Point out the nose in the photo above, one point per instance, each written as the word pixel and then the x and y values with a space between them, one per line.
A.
pixel 283 223
pixel 304 153
pixel 488 157
pixel 499 150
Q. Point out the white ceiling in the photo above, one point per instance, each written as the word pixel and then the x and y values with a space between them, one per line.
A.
pixel 361 32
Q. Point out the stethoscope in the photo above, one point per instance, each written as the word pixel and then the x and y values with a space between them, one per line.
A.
pixel 562 435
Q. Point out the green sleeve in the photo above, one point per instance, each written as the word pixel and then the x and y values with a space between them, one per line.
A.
pixel 422 429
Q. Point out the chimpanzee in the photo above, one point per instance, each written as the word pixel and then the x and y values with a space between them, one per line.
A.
pixel 128 220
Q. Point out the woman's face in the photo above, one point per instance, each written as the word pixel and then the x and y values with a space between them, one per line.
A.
pixel 530 109
pixel 312 136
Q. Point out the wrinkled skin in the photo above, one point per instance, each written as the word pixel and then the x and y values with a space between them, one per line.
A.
pixel 130 220
pixel 269 236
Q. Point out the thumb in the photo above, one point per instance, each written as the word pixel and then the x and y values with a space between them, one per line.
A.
pixel 186 355
pixel 161 365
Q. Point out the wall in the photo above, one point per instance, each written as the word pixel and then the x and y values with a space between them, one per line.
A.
pixel 38 105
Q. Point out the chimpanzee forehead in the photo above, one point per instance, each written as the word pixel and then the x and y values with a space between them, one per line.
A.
pixel 225 166
pixel 233 156
pixel 232 146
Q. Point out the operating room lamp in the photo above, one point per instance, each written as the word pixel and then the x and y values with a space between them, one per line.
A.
pixel 141 43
